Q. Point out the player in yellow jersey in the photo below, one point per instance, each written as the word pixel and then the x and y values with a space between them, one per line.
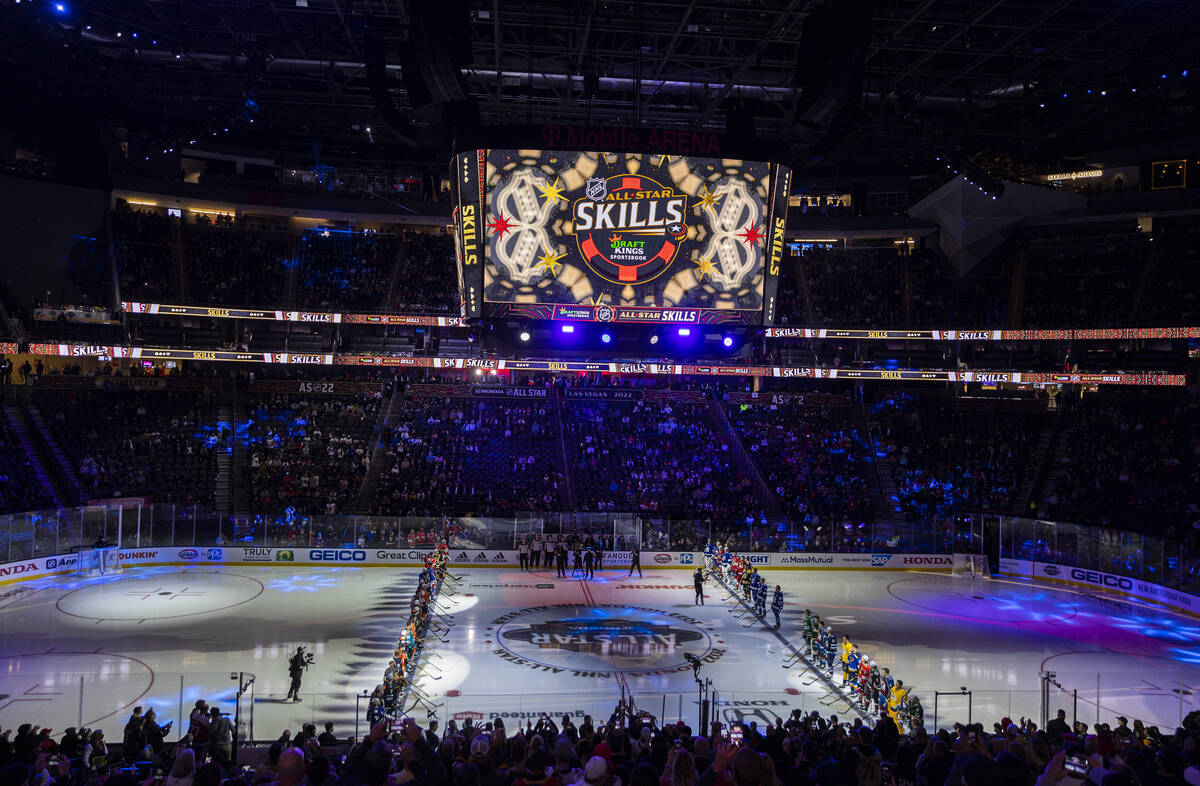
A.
pixel 895 700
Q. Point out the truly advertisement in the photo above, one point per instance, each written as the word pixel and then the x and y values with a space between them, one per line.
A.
pixel 672 234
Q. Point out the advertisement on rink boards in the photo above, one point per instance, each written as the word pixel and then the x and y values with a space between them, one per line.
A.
pixel 402 557
pixel 1112 582
pixel 1082 578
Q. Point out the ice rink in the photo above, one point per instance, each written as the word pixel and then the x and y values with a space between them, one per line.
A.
pixel 87 651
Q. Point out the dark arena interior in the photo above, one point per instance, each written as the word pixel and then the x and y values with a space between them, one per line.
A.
pixel 606 392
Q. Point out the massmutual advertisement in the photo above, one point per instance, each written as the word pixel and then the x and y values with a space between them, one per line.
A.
pixel 623 237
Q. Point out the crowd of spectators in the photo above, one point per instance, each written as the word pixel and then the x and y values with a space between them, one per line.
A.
pixel 1129 464
pixel 309 453
pixel 345 270
pixel 234 267
pixel 474 454
pixel 1172 293
pixel 129 442
pixel 855 288
pixel 814 460
pixel 1094 276
pixel 628 748
pixel 142 243
pixel 945 459
pixel 651 456
pixel 425 278
pixel 1088 281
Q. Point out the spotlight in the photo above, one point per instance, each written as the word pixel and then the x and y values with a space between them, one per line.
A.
pixel 568 328
pixel 727 342
pixel 685 331
pixel 606 338
pixel 653 339
pixel 524 335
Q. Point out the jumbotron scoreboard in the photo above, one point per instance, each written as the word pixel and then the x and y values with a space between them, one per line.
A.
pixel 619 237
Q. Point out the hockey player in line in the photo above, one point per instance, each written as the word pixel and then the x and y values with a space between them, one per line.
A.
pixel 760 596
pixel 777 605
pixel 851 674
pixel 886 683
pixel 829 649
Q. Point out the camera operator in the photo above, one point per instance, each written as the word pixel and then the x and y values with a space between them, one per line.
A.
pixel 296 666
pixel 220 731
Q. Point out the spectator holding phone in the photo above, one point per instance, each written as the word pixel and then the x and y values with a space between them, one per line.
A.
pixel 680 769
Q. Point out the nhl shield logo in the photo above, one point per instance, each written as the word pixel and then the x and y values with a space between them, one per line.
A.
pixel 597 189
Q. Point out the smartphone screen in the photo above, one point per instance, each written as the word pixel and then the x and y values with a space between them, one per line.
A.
pixel 1076 765
pixel 735 734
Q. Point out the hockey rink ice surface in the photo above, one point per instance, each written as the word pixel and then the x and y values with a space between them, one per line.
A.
pixel 527 643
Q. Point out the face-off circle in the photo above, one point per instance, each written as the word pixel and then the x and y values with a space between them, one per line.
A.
pixel 602 639
pixel 160 597
pixel 48 683
pixel 629 227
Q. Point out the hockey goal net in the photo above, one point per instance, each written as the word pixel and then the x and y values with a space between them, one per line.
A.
pixel 98 562
pixel 975 565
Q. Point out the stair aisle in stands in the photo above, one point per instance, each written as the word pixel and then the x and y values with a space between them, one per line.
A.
pixel 16 423
pixel 568 500
pixel 383 428
pixel 73 489
pixel 768 502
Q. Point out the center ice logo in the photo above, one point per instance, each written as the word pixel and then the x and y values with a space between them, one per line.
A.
pixel 593 641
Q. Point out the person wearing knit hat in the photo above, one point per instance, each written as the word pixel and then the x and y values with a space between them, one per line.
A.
pixel 604 750
pixel 596 773
pixel 564 753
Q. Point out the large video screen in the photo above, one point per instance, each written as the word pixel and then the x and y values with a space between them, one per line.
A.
pixel 623 237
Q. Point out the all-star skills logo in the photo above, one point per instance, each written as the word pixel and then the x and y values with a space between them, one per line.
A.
pixel 599 641
pixel 629 227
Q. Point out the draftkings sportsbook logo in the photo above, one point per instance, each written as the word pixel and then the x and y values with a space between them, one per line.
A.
pixel 629 227
pixel 599 641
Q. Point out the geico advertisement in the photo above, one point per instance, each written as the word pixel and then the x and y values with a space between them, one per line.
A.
pixel 1111 581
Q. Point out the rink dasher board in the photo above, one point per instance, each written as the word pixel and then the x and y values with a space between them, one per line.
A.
pixel 303 556
pixel 1099 581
